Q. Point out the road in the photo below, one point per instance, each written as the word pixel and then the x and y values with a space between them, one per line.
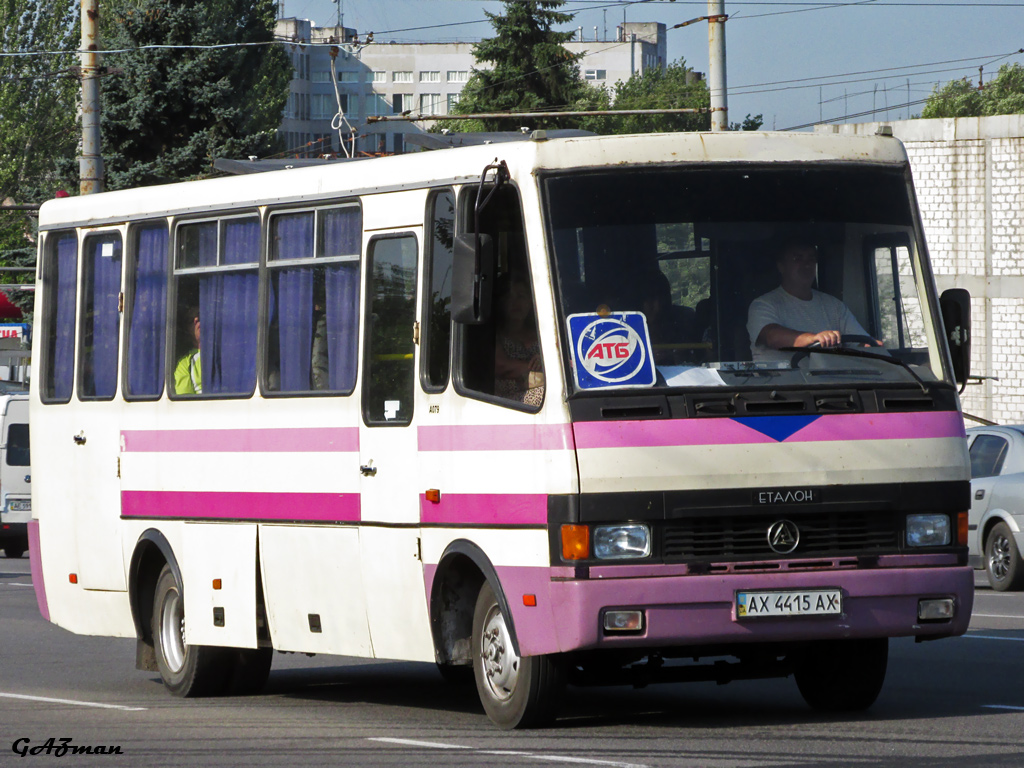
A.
pixel 957 702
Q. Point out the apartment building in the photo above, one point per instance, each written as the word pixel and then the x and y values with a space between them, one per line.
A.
pixel 386 78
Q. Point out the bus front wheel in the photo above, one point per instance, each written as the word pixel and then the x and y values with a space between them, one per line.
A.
pixel 187 670
pixel 516 692
pixel 842 675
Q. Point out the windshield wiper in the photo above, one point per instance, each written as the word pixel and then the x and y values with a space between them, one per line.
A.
pixel 855 353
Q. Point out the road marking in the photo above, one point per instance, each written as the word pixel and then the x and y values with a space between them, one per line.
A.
pixel 1002 706
pixel 995 616
pixel 994 637
pixel 47 700
pixel 13 584
pixel 508 752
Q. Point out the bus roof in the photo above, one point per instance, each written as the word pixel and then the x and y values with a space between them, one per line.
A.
pixel 463 165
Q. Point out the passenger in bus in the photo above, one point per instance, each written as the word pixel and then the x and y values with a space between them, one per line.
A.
pixel 671 326
pixel 188 373
pixel 319 368
pixel 518 369
pixel 796 314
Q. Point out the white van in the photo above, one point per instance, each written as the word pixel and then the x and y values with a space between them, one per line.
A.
pixel 15 474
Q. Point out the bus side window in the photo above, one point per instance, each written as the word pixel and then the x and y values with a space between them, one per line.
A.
pixel 435 358
pixel 147 314
pixel 101 320
pixel 60 276
pixel 313 300
pixel 501 359
pixel 217 306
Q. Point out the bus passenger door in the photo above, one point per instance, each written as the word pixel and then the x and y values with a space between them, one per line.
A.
pixel 389 498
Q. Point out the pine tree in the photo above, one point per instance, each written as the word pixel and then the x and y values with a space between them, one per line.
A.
pixel 169 113
pixel 530 70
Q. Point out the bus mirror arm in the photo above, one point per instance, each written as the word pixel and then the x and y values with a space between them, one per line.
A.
pixel 955 305
pixel 473 258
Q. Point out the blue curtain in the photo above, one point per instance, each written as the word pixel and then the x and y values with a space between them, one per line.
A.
pixel 62 375
pixel 342 231
pixel 102 320
pixel 228 312
pixel 146 336
pixel 292 300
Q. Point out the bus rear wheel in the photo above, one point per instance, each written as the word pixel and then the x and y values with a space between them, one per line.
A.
pixel 516 692
pixel 187 670
pixel 842 675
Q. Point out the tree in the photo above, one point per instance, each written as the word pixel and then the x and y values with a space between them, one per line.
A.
pixel 1003 95
pixel 167 114
pixel 532 70
pixel 38 107
pixel 675 87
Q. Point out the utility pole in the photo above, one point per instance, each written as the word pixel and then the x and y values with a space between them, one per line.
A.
pixel 716 65
pixel 90 164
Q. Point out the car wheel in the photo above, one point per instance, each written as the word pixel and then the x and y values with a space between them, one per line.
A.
pixel 842 675
pixel 516 692
pixel 1002 560
pixel 14 551
pixel 187 670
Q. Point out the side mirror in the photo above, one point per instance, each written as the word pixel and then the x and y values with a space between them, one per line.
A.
pixel 472 279
pixel 955 305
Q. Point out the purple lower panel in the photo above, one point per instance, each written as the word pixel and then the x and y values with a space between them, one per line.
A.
pixel 36 564
pixel 693 610
pixel 200 505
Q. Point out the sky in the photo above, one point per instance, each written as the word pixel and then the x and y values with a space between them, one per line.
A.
pixel 795 63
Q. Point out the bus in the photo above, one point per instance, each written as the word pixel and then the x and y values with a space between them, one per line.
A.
pixel 15 469
pixel 497 408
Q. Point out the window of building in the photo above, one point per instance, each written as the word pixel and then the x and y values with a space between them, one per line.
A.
pixel 401 76
pixel 377 104
pixel 594 74
pixel 312 315
pixel 453 99
pixel 60 274
pixel 348 77
pixel 146 310
pixel 400 102
pixel 217 292
pixel 458 76
pixel 430 76
pixel 377 76
pixel 324 106
pixel 321 76
pixel 430 103
pixel 100 326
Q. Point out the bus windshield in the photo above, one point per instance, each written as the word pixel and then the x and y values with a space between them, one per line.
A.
pixel 714 260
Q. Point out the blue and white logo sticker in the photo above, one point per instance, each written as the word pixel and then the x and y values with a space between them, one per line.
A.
pixel 613 351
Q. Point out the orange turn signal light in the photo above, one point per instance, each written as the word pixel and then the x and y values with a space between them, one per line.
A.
pixel 530 601
pixel 216 583
pixel 961 528
pixel 73 578
pixel 575 542
pixel 433 495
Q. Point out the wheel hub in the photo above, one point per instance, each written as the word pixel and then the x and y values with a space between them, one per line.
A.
pixel 999 559
pixel 500 662
pixel 172 632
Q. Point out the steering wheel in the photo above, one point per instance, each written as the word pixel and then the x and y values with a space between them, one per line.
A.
pixel 851 338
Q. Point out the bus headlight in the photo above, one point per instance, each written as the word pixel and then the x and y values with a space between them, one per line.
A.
pixel 617 542
pixel 928 530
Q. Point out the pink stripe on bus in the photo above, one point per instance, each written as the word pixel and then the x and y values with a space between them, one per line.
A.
pixel 290 440
pixel 517 437
pixel 216 505
pixel 882 426
pixel 839 427
pixel 486 509
pixel 665 432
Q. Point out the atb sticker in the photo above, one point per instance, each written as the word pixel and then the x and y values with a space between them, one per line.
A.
pixel 611 351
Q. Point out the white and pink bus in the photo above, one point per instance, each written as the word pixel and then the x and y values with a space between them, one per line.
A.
pixel 498 408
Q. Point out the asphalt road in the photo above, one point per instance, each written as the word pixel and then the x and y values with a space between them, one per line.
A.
pixel 957 702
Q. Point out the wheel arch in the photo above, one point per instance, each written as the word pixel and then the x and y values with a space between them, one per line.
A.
pixel 152 552
pixel 461 571
pixel 992 518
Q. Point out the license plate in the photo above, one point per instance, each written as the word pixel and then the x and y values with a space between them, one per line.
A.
pixel 20 505
pixel 807 602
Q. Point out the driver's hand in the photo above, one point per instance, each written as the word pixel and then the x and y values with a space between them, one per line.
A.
pixel 828 338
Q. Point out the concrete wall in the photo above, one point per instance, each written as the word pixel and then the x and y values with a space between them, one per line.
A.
pixel 969 175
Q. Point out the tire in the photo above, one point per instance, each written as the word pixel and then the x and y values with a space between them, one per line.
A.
pixel 14 551
pixel 516 692
pixel 842 675
pixel 1003 565
pixel 187 670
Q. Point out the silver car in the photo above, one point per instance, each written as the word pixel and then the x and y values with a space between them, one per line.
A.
pixel 995 533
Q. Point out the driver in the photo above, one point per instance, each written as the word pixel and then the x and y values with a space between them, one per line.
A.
pixel 795 314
